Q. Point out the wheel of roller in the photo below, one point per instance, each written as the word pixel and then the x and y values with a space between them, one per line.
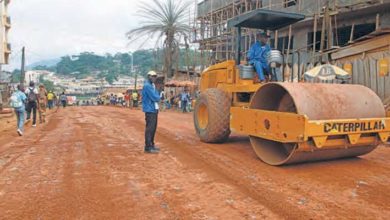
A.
pixel 212 116
pixel 317 102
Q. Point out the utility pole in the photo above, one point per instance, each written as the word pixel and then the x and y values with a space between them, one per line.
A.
pixel 135 81
pixel 132 63
pixel 22 73
pixel 132 70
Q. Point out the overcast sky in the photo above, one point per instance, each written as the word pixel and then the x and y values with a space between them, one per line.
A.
pixel 53 28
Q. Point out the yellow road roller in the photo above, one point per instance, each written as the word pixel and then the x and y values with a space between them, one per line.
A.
pixel 287 122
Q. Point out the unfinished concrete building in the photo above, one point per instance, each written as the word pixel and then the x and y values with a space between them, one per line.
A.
pixel 354 34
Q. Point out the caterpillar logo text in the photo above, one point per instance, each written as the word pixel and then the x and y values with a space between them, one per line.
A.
pixel 354 127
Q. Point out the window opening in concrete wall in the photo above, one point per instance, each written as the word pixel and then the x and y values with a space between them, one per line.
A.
pixel 310 42
pixel 360 30
pixel 282 43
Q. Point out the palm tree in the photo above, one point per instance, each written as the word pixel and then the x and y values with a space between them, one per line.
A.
pixel 167 21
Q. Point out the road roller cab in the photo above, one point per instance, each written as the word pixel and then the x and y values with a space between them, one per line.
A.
pixel 287 122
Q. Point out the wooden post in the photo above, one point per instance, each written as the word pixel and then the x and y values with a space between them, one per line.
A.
pixel 288 49
pixel 377 22
pixel 324 26
pixel 336 30
pixel 195 60
pixel 329 31
pixel 238 46
pixel 322 35
pixel 289 42
pixel 314 37
pixel 299 6
pixel 276 39
pixel 352 32
pixel 187 58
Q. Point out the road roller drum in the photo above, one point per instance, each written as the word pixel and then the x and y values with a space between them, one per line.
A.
pixel 346 121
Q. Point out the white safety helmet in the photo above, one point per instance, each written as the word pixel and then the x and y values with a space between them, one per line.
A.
pixel 152 73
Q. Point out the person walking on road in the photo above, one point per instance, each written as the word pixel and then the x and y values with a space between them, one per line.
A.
pixel 63 99
pixel 134 97
pixel 32 103
pixel 184 98
pixel 162 100
pixel 171 101
pixel 42 97
pixel 150 100
pixel 50 99
pixel 18 98
pixel 127 100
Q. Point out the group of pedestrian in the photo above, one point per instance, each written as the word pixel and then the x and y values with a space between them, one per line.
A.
pixel 129 99
pixel 36 102
pixel 182 101
pixel 30 101
pixel 114 99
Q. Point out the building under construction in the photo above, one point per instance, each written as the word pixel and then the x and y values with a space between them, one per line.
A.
pixel 353 34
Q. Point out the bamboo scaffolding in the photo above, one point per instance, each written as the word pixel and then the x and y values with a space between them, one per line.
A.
pixel 215 38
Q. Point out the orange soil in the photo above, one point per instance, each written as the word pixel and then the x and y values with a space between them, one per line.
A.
pixel 88 163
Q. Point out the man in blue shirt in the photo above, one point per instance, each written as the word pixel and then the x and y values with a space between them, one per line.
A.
pixel 257 56
pixel 185 99
pixel 150 100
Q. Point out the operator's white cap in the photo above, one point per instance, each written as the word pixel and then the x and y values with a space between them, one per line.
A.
pixel 152 73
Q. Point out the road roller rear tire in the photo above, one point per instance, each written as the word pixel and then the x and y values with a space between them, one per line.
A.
pixel 212 116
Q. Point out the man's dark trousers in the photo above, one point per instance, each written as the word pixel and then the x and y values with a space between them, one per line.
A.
pixel 150 129
pixel 184 105
pixel 32 107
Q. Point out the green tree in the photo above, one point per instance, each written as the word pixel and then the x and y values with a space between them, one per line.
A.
pixel 43 67
pixel 164 20
pixel 49 85
pixel 15 76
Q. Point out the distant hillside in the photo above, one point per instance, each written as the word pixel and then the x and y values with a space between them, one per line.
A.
pixel 47 63
pixel 110 66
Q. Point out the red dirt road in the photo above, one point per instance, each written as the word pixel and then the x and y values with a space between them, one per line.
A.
pixel 88 163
